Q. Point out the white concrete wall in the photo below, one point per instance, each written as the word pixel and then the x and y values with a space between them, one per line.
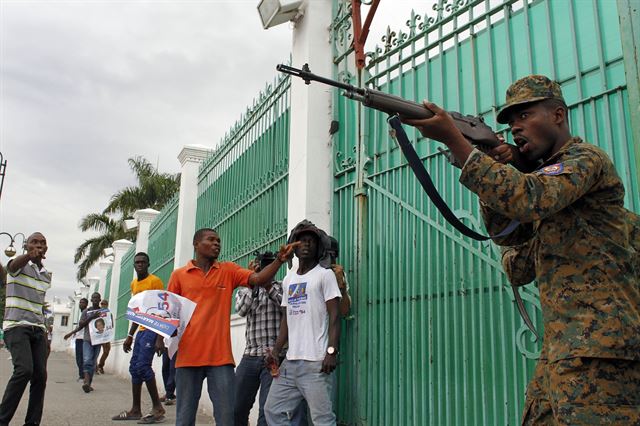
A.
pixel 310 169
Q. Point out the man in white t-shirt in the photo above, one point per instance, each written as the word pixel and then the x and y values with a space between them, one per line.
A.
pixel 312 328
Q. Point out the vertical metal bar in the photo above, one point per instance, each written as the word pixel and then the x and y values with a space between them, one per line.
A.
pixel 578 68
pixel 550 39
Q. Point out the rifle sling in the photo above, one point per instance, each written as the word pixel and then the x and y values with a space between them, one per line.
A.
pixel 523 312
pixel 427 184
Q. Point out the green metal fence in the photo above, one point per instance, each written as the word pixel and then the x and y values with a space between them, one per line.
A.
pixel 124 293
pixel 242 189
pixel 436 338
pixel 162 241
pixel 107 288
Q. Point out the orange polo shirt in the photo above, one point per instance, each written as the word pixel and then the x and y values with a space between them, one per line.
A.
pixel 207 339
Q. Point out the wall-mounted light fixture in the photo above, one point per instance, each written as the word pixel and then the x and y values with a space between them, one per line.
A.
pixel 276 12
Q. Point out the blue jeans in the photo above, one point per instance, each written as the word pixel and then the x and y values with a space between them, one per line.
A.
pixel 79 358
pixel 251 374
pixel 89 357
pixel 142 357
pixel 221 388
pixel 169 374
pixel 300 379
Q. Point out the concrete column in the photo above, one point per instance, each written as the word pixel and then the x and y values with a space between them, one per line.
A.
pixel 191 157
pixel 310 153
pixel 144 218
pixel 93 285
pixel 105 264
pixel 120 247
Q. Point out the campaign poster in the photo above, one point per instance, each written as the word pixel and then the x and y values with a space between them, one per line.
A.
pixel 101 328
pixel 163 312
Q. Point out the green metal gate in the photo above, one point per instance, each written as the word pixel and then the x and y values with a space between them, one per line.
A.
pixel 242 187
pixel 124 293
pixel 435 337
pixel 162 241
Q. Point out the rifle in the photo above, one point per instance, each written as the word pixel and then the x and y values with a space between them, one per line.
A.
pixel 472 128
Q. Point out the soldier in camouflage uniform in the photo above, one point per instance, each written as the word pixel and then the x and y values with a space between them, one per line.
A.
pixel 577 240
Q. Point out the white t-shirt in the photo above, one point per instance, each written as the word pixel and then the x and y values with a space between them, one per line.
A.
pixel 305 298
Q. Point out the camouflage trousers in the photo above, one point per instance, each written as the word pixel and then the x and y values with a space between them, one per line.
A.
pixel 584 391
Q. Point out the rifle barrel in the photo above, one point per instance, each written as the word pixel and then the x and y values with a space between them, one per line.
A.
pixel 308 76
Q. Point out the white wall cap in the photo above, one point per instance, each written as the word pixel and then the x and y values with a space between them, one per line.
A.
pixel 129 224
pixel 194 153
pixel 145 215
pixel 105 263
pixel 121 245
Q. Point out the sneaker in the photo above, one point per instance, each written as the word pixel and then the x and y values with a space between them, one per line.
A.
pixel 170 401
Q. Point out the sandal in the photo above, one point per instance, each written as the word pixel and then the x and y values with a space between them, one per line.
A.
pixel 151 418
pixel 124 415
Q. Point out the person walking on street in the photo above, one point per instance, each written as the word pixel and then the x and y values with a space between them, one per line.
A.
pixel 204 350
pixel 106 347
pixel 89 352
pixel 25 331
pixel 79 341
pixel 144 349
pixel 573 223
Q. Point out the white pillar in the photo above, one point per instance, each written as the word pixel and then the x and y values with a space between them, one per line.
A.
pixel 191 157
pixel 144 218
pixel 93 285
pixel 310 153
pixel 105 264
pixel 120 247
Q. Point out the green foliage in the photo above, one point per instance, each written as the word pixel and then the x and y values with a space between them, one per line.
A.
pixel 153 190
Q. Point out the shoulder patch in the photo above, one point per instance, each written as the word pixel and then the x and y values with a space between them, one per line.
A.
pixel 552 170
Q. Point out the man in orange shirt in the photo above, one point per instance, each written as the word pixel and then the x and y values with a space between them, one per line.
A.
pixel 143 351
pixel 205 347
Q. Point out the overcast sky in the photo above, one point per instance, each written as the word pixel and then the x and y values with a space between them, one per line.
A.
pixel 85 85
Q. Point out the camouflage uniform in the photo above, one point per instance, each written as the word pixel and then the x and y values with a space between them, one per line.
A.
pixel 579 245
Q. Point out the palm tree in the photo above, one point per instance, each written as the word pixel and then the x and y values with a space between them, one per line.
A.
pixel 154 190
pixel 90 251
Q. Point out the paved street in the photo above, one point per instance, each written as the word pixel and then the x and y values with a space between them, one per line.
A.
pixel 67 404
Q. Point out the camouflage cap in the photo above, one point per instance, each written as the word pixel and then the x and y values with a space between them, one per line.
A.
pixel 531 88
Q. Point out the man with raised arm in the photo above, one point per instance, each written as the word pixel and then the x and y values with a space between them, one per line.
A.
pixel 204 350
pixel 25 332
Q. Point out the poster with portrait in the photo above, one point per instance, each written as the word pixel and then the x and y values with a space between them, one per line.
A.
pixel 166 313
pixel 101 328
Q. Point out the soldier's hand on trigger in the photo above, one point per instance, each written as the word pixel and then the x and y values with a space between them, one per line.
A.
pixel 506 153
pixel 503 153
pixel 286 252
